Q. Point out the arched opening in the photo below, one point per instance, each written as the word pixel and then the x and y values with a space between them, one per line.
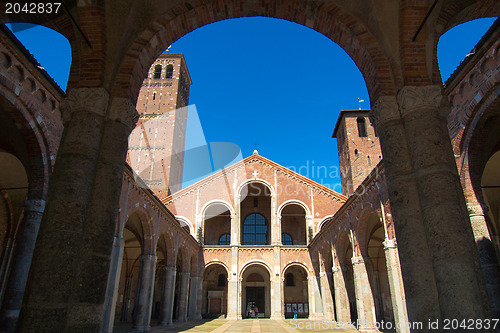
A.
pixel 129 277
pixel 255 292
pixel 13 191
pixel 35 38
pixel 345 261
pixel 293 224
pixel 214 291
pixel 451 54
pixel 255 212
pixel 377 269
pixel 169 72
pixel 295 292
pixel 159 282
pixel 361 122
pixel 490 185
pixel 217 225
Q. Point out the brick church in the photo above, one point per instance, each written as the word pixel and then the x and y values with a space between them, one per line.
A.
pixel 115 240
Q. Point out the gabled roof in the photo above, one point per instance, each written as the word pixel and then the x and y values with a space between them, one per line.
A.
pixel 254 158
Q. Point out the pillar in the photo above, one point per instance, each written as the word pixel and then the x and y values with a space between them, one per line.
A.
pixel 315 302
pixel 235 230
pixel 183 297
pixel 364 297
pixel 487 254
pixel 13 298
pixel 195 292
pixel 113 284
pixel 342 308
pixel 65 293
pixel 167 306
pixel 416 266
pixel 144 296
pixel 233 294
pixel 396 286
pixel 428 205
pixel 276 286
pixel 326 295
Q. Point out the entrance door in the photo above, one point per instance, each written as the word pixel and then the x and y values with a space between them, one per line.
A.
pixel 256 297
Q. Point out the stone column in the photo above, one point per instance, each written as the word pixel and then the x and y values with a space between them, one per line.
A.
pixel 276 286
pixel 23 253
pixel 183 297
pixel 167 306
pixel 275 223
pixel 396 286
pixel 71 259
pixel 235 230
pixel 455 260
pixel 487 254
pixel 233 310
pixel 342 307
pixel 113 284
pixel 315 302
pixel 326 295
pixel 416 265
pixel 194 311
pixel 144 296
pixel 364 297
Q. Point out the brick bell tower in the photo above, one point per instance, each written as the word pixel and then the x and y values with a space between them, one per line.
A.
pixel 359 148
pixel 156 146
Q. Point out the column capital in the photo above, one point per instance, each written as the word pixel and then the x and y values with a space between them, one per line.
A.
pixel 477 209
pixel 389 244
pixel 123 110
pixel 385 109
pixel 356 260
pixel 34 205
pixel 415 98
pixel 336 269
pixel 92 100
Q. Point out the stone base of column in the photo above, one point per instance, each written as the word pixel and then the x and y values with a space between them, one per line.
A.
pixel 316 316
pixel 277 317
pixel 233 317
pixel 195 317
pixel 165 324
pixel 141 329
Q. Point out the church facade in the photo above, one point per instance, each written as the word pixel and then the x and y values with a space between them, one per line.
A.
pixel 255 235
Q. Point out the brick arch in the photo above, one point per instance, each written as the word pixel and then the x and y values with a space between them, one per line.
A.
pixel 34 141
pixel 454 13
pixel 167 245
pixel 365 227
pixel 380 73
pixel 185 258
pixel 146 239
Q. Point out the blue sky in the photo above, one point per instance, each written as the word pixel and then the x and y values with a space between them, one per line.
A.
pixel 264 83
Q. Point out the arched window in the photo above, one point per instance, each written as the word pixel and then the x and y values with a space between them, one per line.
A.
pixel 286 239
pixel 369 161
pixel 221 280
pixel 225 239
pixel 157 74
pixel 355 152
pixel 169 72
pixel 255 230
pixel 290 280
pixel 361 127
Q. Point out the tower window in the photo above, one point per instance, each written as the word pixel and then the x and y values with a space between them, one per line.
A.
pixel 154 96
pixel 361 127
pixel 157 74
pixel 355 152
pixel 369 161
pixel 221 280
pixel 290 280
pixel 169 72
pixel 225 239
pixel 255 230
pixel 286 239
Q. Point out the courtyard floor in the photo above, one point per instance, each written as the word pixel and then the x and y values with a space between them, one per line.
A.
pixel 247 326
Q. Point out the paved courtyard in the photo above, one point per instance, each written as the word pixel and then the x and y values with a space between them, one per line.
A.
pixel 248 326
